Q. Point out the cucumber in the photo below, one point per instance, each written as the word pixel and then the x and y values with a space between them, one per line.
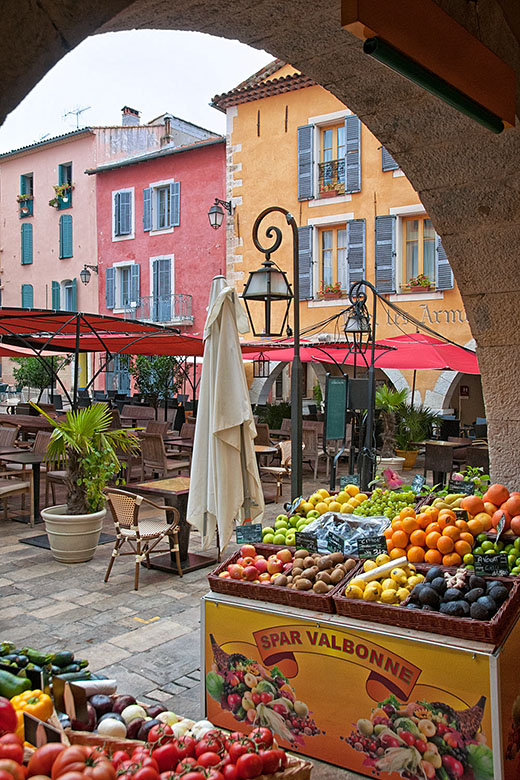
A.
pixel 70 668
pixel 63 659
pixel 71 676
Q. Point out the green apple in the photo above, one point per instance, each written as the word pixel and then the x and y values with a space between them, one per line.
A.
pixel 282 517
pixel 279 539
pixel 312 513
pixel 268 539
pixel 293 521
pixel 267 530
pixel 281 524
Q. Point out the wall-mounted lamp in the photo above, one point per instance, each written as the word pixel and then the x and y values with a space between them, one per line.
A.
pixel 85 274
pixel 216 215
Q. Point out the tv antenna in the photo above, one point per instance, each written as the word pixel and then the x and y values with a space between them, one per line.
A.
pixel 76 112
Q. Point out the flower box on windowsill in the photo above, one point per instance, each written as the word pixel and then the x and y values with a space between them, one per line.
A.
pixel 417 288
pixel 332 294
pixel 329 194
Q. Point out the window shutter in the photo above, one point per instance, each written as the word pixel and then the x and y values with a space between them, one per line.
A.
pixel 165 289
pixel 110 291
pixel 352 154
pixel 27 243
pixel 117 213
pixel 74 294
pixel 305 162
pixel 355 250
pixel 65 236
pixel 147 209
pixel 444 272
pixel 387 161
pixel 135 288
pixel 385 254
pixel 55 295
pixel 175 203
pixel 125 213
pixel 305 261
pixel 27 296
pixel 155 290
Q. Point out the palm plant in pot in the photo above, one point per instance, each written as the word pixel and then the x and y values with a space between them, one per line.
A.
pixel 84 446
pixel 388 402
pixel 414 424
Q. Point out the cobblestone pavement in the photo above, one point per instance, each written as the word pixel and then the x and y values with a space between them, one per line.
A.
pixel 148 640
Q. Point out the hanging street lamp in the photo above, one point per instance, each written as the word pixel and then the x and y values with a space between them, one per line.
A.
pixel 216 214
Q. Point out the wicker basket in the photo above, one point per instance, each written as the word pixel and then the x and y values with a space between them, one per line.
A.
pixel 488 631
pixel 289 597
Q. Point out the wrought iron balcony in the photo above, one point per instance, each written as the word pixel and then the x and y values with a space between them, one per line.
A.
pixel 331 178
pixel 176 309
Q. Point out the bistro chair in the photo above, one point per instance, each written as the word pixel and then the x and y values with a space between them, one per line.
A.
pixel 16 487
pixel 157 426
pixel 313 451
pixel 8 436
pixel 142 535
pixel 187 431
pixel 155 459
pixel 439 460
pixel 478 457
pixel 283 470
pixel 460 453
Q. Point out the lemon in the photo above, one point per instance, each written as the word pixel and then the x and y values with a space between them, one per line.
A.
pixel 346 509
pixel 323 493
pixel 353 592
pixel 321 507
pixel 370 594
pixel 402 594
pixel 361 584
pixel 399 575
pixel 382 558
pixel 352 490
pixel 375 585
pixel 354 502
pixel 342 497
pixel 361 497
pixel 306 507
pixel 413 581
pixel 369 565
pixel 314 499
pixel 334 506
pixel 388 596
pixel 389 584
pixel 410 568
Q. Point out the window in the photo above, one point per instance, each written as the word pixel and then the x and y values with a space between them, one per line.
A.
pixel 341 259
pixel 65 173
pixel 418 248
pixel 26 196
pixel 65 181
pixel 329 157
pixel 27 184
pixel 27 296
pixel 332 167
pixel 161 206
pixel 26 243
pixel 65 236
pixel 162 289
pixel 69 295
pixel 123 211
pixel 123 286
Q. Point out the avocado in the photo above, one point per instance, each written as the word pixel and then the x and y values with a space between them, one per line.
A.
pixel 434 572
pixel 492 584
pixel 464 606
pixel 488 603
pixel 477 582
pixel 453 594
pixel 416 593
pixel 478 611
pixel 453 608
pixel 439 584
pixel 498 593
pixel 429 597
pixel 474 594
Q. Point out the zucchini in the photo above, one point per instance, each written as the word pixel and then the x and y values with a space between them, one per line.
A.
pixel 6 648
pixel 10 685
pixel 36 657
pixel 72 676
pixel 63 659
pixel 70 668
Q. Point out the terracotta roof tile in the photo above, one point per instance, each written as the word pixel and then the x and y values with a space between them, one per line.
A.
pixel 261 89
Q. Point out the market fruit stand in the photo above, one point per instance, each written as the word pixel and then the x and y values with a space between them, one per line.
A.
pixel 385 690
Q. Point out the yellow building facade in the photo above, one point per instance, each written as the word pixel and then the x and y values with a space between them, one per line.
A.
pixel 291 143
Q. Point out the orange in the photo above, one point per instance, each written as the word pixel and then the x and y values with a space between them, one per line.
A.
pixel 490 508
pixel 497 494
pixel 432 556
pixel 389 545
pixel 407 512
pixel 467 537
pixel 415 554
pixel 449 513
pixel 397 552
pixel 485 519
pixel 445 520
pixel 445 545
pixel 388 532
pixel 462 525
pixel 399 539
pixel 462 548
pixel 409 524
pixel 424 519
pixel 475 526
pixel 451 560
pixel 498 516
pixel 472 504
pixel 418 538
pixel 433 527
pixel 432 539
pixel 452 531
pixel 397 525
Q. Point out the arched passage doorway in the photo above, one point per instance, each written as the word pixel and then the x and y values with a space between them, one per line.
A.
pixel 466 177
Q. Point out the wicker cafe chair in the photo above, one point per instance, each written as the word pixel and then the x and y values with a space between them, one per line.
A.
pixel 14 487
pixel 142 536
pixel 281 471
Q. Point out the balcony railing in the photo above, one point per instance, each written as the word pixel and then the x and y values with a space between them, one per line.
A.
pixel 331 178
pixel 163 308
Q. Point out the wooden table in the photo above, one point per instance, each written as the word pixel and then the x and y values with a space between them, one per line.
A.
pixel 29 459
pixel 175 492
pixel 27 422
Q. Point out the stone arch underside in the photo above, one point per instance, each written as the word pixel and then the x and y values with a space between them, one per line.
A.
pixel 466 177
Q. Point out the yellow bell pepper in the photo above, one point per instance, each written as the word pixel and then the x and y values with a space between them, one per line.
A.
pixel 35 703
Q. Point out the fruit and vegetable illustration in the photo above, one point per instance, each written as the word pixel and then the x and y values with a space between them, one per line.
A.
pixel 513 740
pixel 424 741
pixel 258 696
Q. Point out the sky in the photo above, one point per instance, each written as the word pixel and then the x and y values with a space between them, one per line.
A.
pixel 153 71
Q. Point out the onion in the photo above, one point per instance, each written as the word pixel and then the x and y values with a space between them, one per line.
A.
pixel 155 710
pixel 90 724
pixel 133 728
pixel 110 727
pixel 132 712
pixel 121 702
pixel 101 703
pixel 145 728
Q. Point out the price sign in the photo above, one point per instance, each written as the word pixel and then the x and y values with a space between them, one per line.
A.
pixel 251 532
pixel 371 546
pixel 306 541
pixel 418 483
pixel 350 479
pixel 494 565
pixel 501 525
pixel 463 486
pixel 461 514
pixel 38 732
pixel 335 542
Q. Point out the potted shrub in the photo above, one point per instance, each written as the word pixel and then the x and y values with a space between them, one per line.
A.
pixel 388 402
pixel 414 424
pixel 83 445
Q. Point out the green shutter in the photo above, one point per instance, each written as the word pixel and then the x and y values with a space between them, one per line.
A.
pixel 65 236
pixel 352 154
pixel 27 296
pixel 55 295
pixel 27 243
pixel 175 203
pixel 125 214
pixel 135 291
pixel 147 209
pixel 355 250
pixel 110 289
pixel 74 294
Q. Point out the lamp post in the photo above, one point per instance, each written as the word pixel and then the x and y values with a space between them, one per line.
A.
pixel 269 284
pixel 216 215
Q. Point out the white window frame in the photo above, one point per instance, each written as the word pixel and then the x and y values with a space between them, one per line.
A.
pixel 132 232
pixel 156 185
pixel 171 258
pixel 334 221
pixel 117 291
pixel 415 210
pixel 320 122
pixel 63 294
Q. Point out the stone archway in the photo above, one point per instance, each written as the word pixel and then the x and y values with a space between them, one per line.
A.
pixel 466 177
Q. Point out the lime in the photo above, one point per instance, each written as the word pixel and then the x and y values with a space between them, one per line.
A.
pixel 511 559
pixel 468 558
pixel 489 552
pixel 508 548
pixel 516 570
pixel 469 566
pixel 482 538
pixel 499 546
pixel 478 551
pixel 487 546
pixel 516 543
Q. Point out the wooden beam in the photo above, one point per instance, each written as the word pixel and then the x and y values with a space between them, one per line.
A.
pixel 427 34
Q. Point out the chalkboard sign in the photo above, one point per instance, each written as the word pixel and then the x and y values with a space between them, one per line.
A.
pixel 251 532
pixel 335 407
pixel 494 565
pixel 335 543
pixel 306 541
pixel 463 486
pixel 501 525
pixel 418 483
pixel 461 514
pixel 350 479
pixel 371 546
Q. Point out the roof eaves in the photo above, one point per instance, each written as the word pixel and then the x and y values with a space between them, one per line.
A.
pixel 47 141
pixel 264 89
pixel 165 152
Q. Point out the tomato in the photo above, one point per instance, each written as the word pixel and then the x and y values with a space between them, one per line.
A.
pixel 215 775
pixel 42 760
pixel 148 761
pixel 265 698
pixel 185 747
pixel 13 768
pixel 41 777
pixel 270 761
pixel 118 757
pixel 166 756
pixel 8 738
pixel 160 733
pixel 185 764
pixel 195 775
pixel 282 755
pixel 12 750
pixel 146 773
pixel 249 765
pixel 79 758
pixel 72 776
pixel 213 744
pixel 230 772
pixel 262 736
pixel 208 759
pixel 238 749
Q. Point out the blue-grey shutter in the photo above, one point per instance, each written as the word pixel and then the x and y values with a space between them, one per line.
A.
pixel 27 243
pixel 135 287
pixel 74 294
pixel 356 250
pixel 305 261
pixel 125 213
pixel 175 203
pixel 147 208
pixel 385 254
pixel 117 213
pixel 444 272
pixel 305 162
pixel 164 288
pixel 27 296
pixel 65 235
pixel 352 154
pixel 387 161
pixel 55 295
pixel 110 291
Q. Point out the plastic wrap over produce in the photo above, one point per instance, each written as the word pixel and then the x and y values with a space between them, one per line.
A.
pixel 350 527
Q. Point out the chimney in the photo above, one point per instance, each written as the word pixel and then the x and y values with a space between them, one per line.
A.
pixel 167 138
pixel 129 116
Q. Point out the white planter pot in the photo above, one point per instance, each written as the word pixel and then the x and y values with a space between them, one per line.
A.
pixel 73 538
pixel 396 464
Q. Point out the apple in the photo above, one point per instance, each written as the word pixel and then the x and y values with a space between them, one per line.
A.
pixel 274 566
pixel 259 558
pixel 249 561
pixel 268 539
pixel 284 555
pixel 267 530
pixel 240 561
pixel 235 571
pixel 281 524
pixel 282 517
pixel 261 565
pixel 247 551
pixel 287 567
pixel 225 575
pixel 250 573
pixel 265 577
